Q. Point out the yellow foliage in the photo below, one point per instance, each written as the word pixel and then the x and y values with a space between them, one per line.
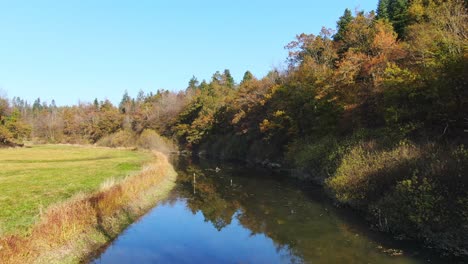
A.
pixel 264 126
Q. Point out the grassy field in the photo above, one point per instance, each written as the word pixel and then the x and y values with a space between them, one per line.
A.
pixel 32 179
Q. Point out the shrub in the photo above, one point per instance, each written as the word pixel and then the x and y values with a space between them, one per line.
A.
pixel 319 158
pixel 149 139
pixel 414 191
pixel 122 138
pixel 365 172
pixel 5 136
pixel 432 204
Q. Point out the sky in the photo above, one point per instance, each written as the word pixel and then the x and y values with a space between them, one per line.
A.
pixel 78 50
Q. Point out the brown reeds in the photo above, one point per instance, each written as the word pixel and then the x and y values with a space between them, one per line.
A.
pixel 71 231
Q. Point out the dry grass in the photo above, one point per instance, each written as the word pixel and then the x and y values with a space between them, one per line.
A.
pixel 69 232
pixel 148 139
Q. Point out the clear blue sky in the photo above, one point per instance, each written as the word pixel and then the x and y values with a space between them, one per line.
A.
pixel 74 50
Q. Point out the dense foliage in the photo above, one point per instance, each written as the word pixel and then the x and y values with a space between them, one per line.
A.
pixel 377 110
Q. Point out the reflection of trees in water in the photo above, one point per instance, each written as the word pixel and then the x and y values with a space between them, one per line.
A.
pixel 206 198
pixel 220 202
pixel 301 229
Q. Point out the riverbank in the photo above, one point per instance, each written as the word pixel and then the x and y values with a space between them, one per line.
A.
pixel 71 231
pixel 410 189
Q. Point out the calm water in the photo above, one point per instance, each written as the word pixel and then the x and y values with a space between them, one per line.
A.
pixel 239 215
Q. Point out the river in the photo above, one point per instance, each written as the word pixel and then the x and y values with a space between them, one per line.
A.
pixel 244 215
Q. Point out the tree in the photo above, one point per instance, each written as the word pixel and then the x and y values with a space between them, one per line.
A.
pixel 342 24
pixel 227 78
pixel 37 104
pixel 224 79
pixel 359 33
pixel 4 107
pixel 17 127
pixel 203 85
pixel 398 15
pixel 6 137
pixel 124 105
pixel 193 84
pixel 248 76
pixel 140 96
pixel 96 103
pixel 52 104
pixel 49 125
pixel 382 9
pixel 217 77
pixel 318 50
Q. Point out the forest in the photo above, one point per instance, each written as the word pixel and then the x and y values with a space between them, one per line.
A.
pixel 375 110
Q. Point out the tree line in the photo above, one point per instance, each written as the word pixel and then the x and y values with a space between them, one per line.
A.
pixel 86 123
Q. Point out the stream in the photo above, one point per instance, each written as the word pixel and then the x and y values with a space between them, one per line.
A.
pixel 244 215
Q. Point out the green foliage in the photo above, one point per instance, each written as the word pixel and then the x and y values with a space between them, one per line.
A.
pixel 4 107
pixel 412 190
pixel 342 24
pixel 248 76
pixel 400 95
pixel 396 12
pixel 365 172
pixel 12 127
pixel 318 157
pixel 382 9
pixel 193 84
pixel 5 136
pixel 18 128
pixel 414 204
pixel 125 103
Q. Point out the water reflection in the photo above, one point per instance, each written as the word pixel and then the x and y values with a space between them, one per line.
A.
pixel 237 215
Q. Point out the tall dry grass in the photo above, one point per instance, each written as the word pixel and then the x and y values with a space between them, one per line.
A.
pixel 147 139
pixel 69 232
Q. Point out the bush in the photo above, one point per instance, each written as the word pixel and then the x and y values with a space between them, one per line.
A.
pixel 366 172
pixel 19 130
pixel 6 137
pixel 149 139
pixel 414 191
pixel 432 204
pixel 412 208
pixel 122 138
pixel 318 158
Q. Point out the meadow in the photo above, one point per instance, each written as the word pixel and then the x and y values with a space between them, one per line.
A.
pixel 32 179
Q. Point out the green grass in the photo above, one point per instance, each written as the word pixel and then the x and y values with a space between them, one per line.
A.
pixel 31 179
